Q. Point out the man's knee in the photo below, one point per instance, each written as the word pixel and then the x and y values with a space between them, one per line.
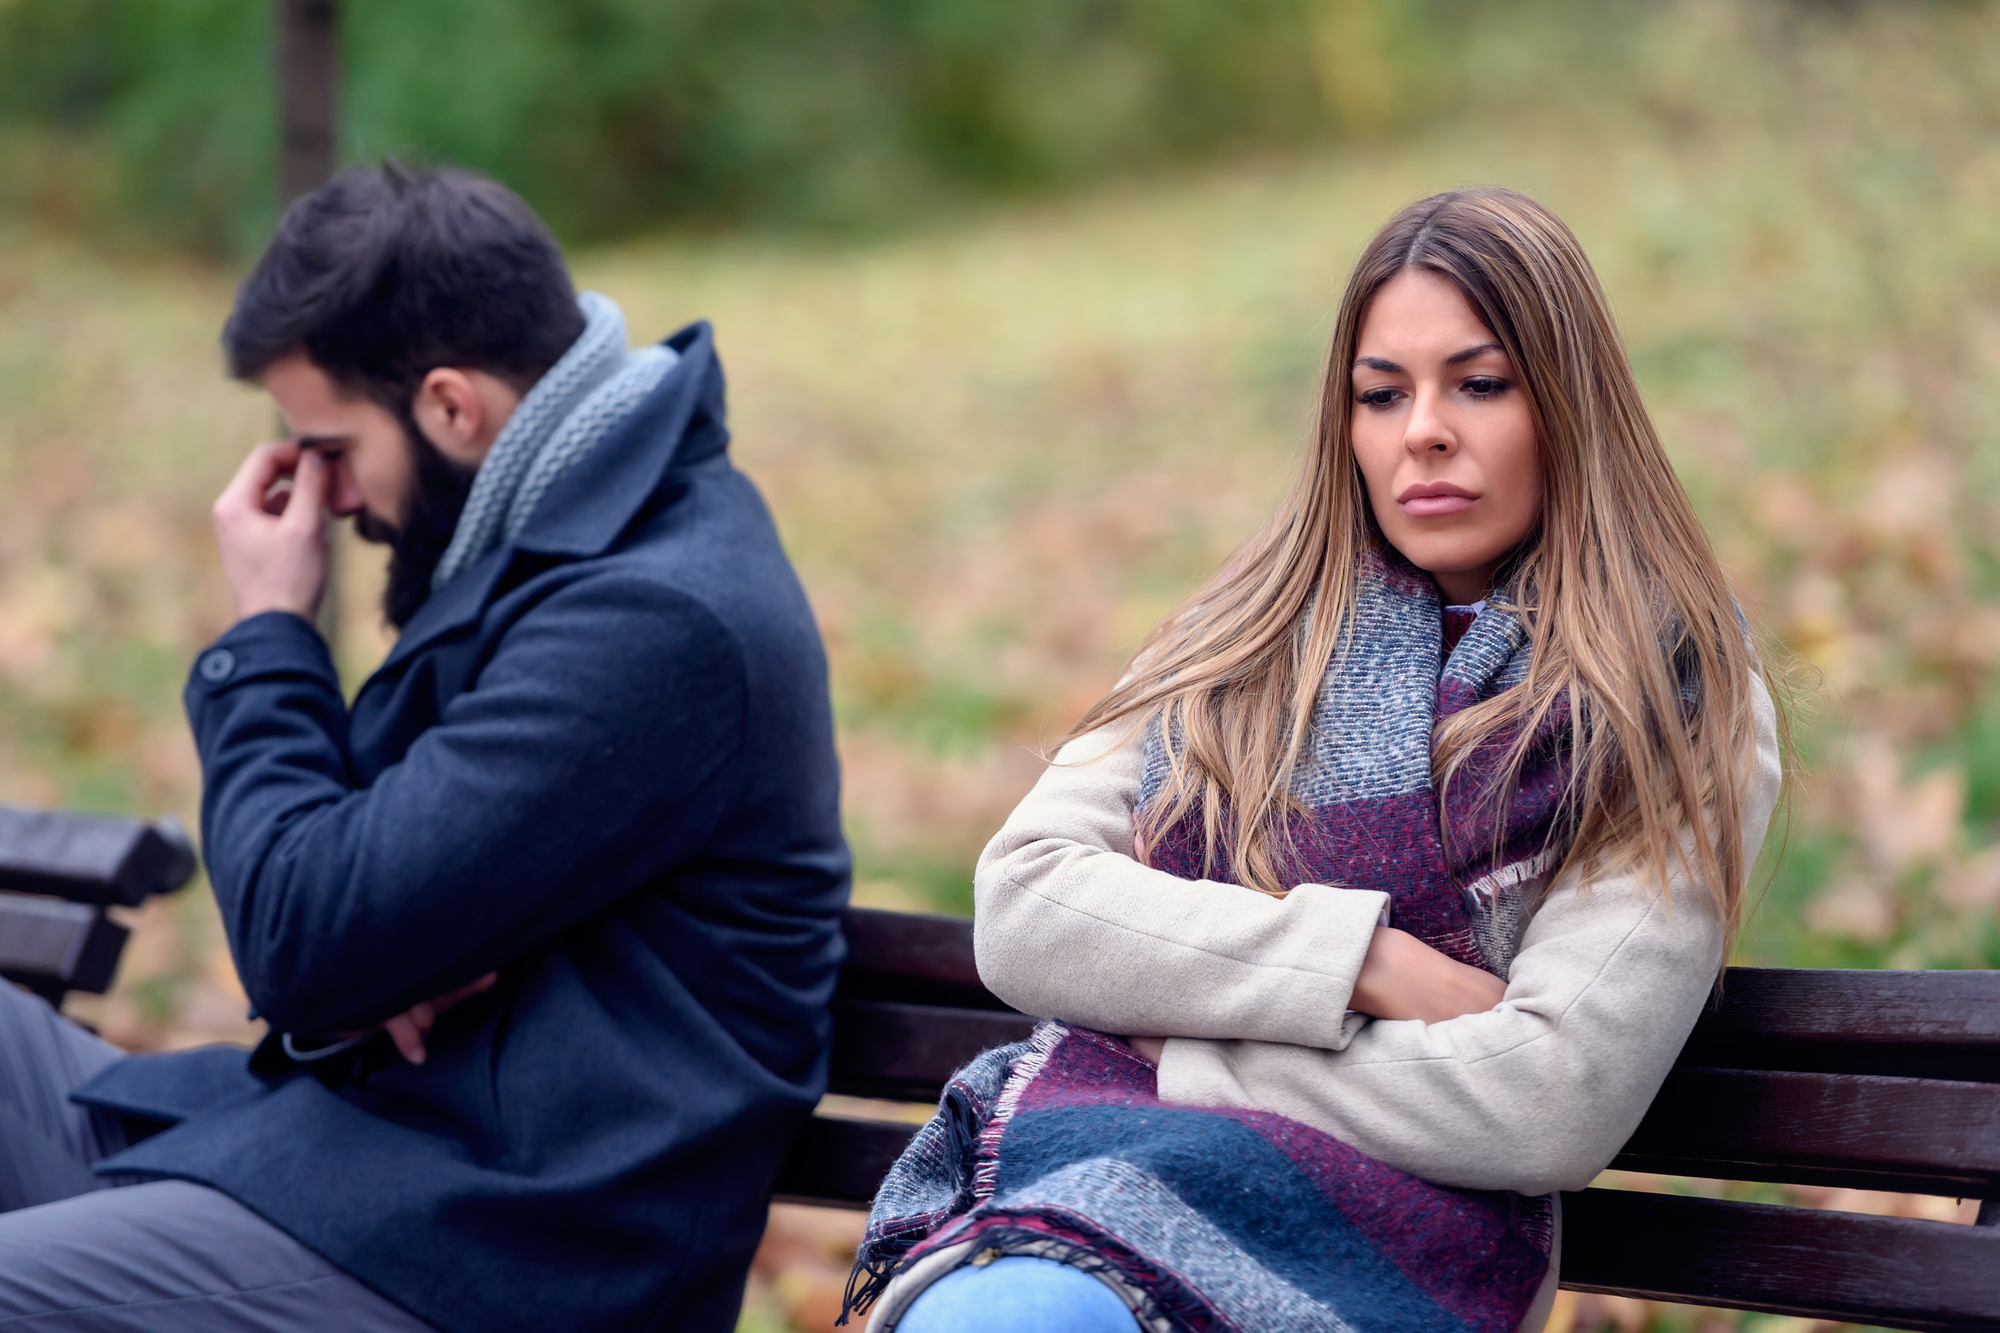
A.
pixel 47 1142
pixel 173 1256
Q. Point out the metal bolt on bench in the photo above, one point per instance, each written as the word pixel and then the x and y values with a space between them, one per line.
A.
pixel 60 872
pixel 1874 1080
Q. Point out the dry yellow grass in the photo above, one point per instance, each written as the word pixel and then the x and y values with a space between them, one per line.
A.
pixel 999 451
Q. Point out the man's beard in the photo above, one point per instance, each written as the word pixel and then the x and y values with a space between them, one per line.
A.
pixel 417 546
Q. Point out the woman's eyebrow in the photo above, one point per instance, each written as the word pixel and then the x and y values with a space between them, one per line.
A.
pixel 1382 364
pixel 1457 358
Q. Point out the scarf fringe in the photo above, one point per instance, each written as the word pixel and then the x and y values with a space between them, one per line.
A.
pixel 1480 893
pixel 1042 1043
pixel 884 1257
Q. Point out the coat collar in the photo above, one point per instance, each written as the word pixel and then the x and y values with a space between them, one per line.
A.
pixel 681 423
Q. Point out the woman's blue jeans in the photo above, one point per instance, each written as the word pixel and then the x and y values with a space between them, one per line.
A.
pixel 1017 1294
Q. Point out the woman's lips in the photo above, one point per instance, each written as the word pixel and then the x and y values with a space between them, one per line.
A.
pixel 1435 500
pixel 1436 506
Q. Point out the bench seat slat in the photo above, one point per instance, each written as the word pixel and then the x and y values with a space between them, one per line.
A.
pixel 1739 1122
pixel 1894 1272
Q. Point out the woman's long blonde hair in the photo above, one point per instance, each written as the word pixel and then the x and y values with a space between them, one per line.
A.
pixel 1630 618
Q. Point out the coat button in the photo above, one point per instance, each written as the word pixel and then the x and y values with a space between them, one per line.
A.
pixel 216 665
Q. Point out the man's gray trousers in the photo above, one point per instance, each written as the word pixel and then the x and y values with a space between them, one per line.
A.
pixel 163 1257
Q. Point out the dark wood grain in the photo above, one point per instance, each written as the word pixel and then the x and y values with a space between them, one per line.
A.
pixel 1926 1134
pixel 838 1163
pixel 91 858
pixel 1765 1005
pixel 52 946
pixel 914 945
pixel 907 1051
pixel 1822 1077
pixel 913 958
pixel 1892 1272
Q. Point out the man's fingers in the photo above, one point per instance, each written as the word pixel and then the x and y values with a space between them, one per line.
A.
pixel 466 992
pixel 255 477
pixel 407 1029
pixel 308 499
pixel 408 1038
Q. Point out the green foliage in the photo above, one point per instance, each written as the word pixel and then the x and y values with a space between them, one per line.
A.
pixel 153 112
pixel 610 114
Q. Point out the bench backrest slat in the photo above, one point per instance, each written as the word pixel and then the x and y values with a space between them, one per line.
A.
pixel 840 1161
pixel 906 1051
pixel 1889 1271
pixel 1767 1005
pixel 1929 1135
pixel 91 858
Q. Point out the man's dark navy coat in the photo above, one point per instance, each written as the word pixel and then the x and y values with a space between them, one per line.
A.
pixel 600 761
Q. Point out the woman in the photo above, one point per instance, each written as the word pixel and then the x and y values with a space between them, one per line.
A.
pixel 1406 855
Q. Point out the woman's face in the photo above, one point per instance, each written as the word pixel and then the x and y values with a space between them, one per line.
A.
pixel 1443 434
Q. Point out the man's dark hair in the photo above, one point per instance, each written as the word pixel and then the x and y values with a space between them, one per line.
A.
pixel 385 273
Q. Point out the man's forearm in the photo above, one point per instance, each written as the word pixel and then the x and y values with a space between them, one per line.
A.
pixel 536 800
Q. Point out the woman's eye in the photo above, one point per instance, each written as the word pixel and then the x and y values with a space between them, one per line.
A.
pixel 1485 386
pixel 1378 397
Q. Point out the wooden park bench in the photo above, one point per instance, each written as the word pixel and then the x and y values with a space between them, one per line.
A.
pixel 1873 1080
pixel 60 874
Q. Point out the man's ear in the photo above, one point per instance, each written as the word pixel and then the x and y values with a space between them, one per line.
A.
pixel 461 412
pixel 450 415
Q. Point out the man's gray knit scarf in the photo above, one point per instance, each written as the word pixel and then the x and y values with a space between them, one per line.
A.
pixel 581 399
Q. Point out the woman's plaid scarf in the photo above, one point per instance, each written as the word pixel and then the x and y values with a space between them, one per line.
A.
pixel 1240 1220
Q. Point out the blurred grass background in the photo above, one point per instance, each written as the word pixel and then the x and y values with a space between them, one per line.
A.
pixel 1023 306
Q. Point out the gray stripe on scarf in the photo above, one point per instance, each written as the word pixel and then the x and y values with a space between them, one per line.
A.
pixel 1156 1222
pixel 568 412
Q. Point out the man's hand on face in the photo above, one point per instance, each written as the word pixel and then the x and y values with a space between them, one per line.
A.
pixel 273 537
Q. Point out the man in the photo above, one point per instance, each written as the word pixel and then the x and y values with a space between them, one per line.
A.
pixel 545 925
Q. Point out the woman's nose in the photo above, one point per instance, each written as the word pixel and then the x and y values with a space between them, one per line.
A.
pixel 1427 431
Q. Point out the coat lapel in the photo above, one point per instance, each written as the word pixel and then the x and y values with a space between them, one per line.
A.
pixel 681 422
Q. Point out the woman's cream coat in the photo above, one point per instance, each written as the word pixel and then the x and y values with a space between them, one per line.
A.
pixel 1535 1095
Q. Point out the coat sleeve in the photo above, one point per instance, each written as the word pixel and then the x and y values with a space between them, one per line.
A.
pixel 1068 925
pixel 1539 1093
pixel 590 754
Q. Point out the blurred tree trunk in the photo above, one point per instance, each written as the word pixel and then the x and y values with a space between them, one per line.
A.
pixel 308 86
pixel 308 79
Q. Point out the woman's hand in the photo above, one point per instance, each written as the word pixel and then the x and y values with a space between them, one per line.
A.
pixel 1402 977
